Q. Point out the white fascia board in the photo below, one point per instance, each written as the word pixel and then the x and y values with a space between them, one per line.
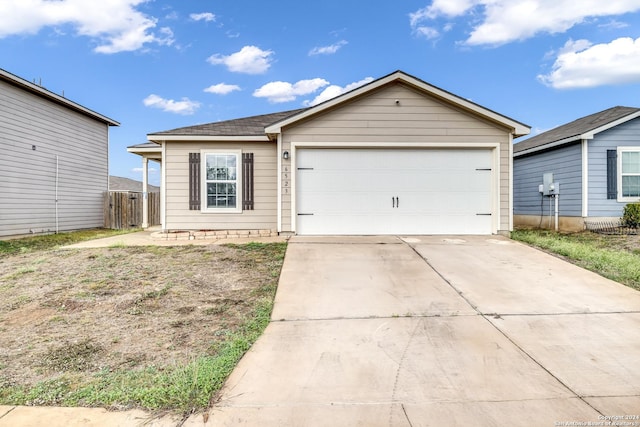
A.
pixel 591 134
pixel 145 150
pixel 585 136
pixel 551 145
pixel 208 138
pixel 34 88
pixel 518 129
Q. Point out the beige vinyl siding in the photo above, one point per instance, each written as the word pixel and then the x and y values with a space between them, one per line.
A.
pixel 28 176
pixel 178 215
pixel 418 118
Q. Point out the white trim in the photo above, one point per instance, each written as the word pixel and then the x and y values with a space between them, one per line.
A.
pixel 203 181
pixel 208 138
pixel 585 178
pixel 585 136
pixel 294 174
pixel 39 90
pixel 510 184
pixel 312 144
pixel 621 198
pixel 279 184
pixel 163 189
pixel 547 146
pixel 495 146
pixel 516 127
pixel 591 134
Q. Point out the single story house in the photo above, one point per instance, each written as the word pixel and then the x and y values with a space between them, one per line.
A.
pixel 396 156
pixel 595 160
pixel 54 160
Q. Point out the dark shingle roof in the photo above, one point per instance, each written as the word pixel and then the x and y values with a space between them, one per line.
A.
pixel 118 183
pixel 247 126
pixel 576 128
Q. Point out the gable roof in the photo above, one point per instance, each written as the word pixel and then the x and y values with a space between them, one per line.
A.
pixel 517 128
pixel 252 127
pixel 583 128
pixel 53 97
pixel 265 127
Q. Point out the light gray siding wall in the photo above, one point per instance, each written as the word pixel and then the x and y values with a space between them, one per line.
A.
pixel 566 165
pixel 28 176
pixel 418 118
pixel 178 215
pixel 624 135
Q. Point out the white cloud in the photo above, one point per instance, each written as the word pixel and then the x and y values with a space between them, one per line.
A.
pixel 222 89
pixel 249 60
pixel 335 90
pixel 504 21
pixel 206 16
pixel 580 64
pixel 115 25
pixel 284 91
pixel 185 106
pixel 327 50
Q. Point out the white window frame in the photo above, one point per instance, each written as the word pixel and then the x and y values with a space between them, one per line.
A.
pixel 203 181
pixel 621 150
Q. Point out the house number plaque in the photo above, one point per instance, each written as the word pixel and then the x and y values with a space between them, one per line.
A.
pixel 285 179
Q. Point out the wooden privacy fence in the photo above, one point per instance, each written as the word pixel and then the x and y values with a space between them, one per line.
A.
pixel 123 209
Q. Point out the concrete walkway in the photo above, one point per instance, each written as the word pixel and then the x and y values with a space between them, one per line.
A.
pixel 425 331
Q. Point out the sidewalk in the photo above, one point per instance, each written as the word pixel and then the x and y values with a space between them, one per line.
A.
pixel 37 416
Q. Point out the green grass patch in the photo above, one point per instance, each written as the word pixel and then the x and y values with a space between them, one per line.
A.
pixel 601 254
pixel 186 388
pixel 52 241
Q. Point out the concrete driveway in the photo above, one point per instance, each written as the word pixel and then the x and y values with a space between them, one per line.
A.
pixel 433 331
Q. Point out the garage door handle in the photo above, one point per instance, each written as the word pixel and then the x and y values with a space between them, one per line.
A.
pixel 397 202
pixel 393 202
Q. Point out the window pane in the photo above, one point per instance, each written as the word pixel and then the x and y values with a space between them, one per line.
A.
pixel 221 180
pixel 631 186
pixel 630 162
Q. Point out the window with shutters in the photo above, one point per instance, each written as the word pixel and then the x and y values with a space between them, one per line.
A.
pixel 628 174
pixel 221 181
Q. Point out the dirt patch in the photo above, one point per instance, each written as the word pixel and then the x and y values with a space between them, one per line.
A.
pixel 94 310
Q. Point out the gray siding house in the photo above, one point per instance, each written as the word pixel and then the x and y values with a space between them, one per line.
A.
pixel 395 156
pixel 53 160
pixel 596 162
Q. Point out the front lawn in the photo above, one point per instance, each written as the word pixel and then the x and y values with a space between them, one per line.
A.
pixel 613 256
pixel 157 328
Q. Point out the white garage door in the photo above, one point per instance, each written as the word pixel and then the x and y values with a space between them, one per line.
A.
pixel 380 191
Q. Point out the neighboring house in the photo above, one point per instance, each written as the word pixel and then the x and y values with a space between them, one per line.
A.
pixel 118 183
pixel 596 162
pixel 396 156
pixel 53 160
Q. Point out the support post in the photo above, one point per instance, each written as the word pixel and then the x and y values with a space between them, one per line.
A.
pixel 145 192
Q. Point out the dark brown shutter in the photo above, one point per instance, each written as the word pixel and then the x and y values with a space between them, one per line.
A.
pixel 247 181
pixel 612 174
pixel 194 181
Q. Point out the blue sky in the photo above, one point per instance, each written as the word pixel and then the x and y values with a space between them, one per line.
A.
pixel 156 65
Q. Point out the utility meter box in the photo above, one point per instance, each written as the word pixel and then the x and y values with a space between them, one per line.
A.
pixel 549 187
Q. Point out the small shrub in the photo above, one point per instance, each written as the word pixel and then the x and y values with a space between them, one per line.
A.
pixel 631 215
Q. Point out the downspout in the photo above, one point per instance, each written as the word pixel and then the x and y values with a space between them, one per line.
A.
pixel 57 178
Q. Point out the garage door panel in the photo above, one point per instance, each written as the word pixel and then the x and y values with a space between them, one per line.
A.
pixel 368 191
